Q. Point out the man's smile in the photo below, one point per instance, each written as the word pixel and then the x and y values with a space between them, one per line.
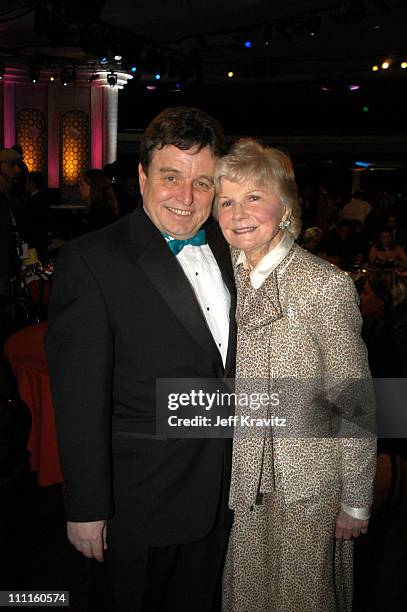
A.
pixel 179 211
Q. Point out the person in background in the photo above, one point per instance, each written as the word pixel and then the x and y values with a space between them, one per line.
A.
pixel 357 209
pixel 96 190
pixel 125 185
pixel 339 246
pixel 386 253
pixel 311 238
pixel 149 297
pixel 399 235
pixel 383 303
pixel 10 239
pixel 36 214
pixel 302 495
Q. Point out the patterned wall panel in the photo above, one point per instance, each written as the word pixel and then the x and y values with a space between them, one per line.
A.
pixel 32 138
pixel 75 146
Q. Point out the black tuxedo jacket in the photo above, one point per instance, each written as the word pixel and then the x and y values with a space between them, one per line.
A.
pixel 122 314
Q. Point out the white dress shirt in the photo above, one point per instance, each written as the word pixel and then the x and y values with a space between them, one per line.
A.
pixel 269 262
pixel 202 271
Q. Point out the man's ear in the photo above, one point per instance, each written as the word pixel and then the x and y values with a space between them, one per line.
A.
pixel 142 178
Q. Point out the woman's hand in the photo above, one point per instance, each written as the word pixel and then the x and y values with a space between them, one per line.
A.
pixel 348 527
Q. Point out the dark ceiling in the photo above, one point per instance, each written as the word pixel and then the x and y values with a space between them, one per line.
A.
pixel 296 77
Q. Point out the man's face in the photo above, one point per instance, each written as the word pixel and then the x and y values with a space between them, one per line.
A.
pixel 10 171
pixel 178 190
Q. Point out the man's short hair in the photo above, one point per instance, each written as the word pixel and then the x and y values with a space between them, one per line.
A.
pixel 183 127
pixel 37 178
pixel 10 156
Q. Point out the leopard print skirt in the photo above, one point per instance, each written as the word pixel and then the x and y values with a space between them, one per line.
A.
pixel 284 558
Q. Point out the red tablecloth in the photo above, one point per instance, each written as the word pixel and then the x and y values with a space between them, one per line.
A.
pixel 25 352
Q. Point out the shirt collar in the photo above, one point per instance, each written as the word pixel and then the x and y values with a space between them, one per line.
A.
pixel 269 262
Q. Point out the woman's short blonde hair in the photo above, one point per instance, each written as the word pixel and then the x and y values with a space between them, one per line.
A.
pixel 249 160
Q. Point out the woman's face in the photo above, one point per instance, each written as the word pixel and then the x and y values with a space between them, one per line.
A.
pixel 385 239
pixel 249 217
pixel 84 190
pixel 370 304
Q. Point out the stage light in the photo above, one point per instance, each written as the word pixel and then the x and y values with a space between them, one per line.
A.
pixel 112 79
pixel 117 58
pixel 403 65
pixel 312 25
pixel 64 77
pixel 375 68
pixel 362 164
pixel 157 76
pixel 268 34
pixel 385 65
pixel 133 69
pixel 34 74
pixel 248 44
pixel 230 74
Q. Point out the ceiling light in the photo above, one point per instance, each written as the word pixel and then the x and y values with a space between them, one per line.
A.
pixel 34 74
pixel 112 79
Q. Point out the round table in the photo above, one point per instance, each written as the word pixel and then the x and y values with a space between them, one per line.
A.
pixel 24 351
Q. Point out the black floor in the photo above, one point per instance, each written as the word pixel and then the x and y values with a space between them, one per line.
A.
pixel 45 559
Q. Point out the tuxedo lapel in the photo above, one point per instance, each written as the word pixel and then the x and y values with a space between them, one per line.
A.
pixel 155 258
pixel 221 252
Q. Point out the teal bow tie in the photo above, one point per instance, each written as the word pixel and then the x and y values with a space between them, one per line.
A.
pixel 177 245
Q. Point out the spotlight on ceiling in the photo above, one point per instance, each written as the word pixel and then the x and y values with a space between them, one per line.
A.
pixel 268 34
pixel 64 77
pixel 312 25
pixel 112 79
pixel 34 74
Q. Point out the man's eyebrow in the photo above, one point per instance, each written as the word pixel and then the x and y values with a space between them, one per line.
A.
pixel 168 169
pixel 165 169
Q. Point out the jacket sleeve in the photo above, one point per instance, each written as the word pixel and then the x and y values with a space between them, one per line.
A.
pixel 79 347
pixel 349 388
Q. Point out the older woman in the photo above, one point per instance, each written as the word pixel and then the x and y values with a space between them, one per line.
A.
pixel 299 499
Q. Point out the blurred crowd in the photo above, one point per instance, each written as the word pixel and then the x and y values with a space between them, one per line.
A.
pixel 367 237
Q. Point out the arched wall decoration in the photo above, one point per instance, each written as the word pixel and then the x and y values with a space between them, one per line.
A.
pixel 31 136
pixel 75 146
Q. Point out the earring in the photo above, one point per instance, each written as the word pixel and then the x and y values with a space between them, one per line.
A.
pixel 284 224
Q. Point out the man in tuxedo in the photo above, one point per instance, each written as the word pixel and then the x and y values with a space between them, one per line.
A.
pixel 148 297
